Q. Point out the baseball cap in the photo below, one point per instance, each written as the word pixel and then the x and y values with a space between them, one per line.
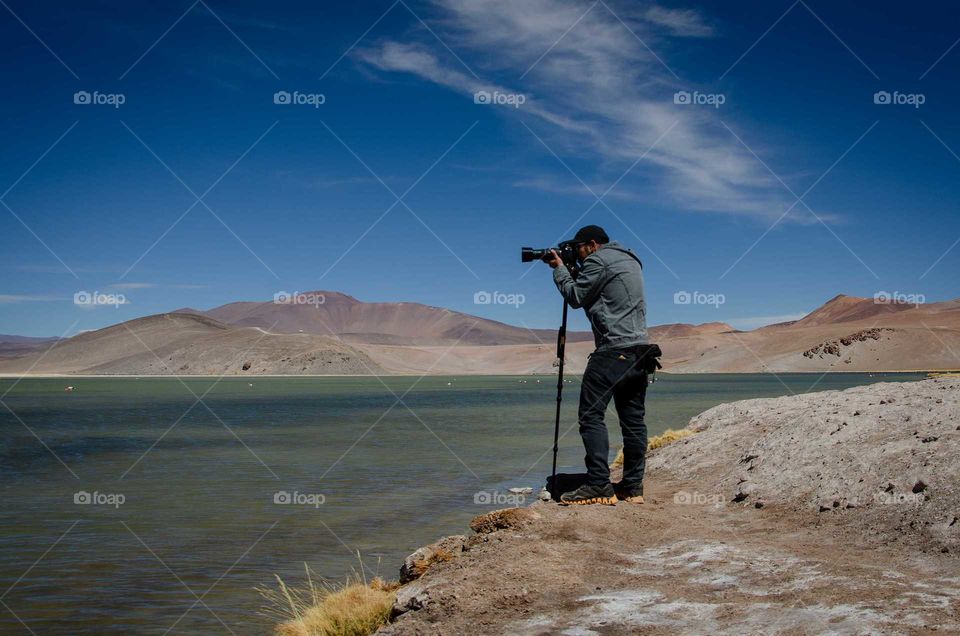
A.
pixel 590 233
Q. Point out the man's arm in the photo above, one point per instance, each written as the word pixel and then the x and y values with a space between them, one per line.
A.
pixel 585 289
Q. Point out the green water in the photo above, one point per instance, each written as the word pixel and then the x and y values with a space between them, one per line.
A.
pixel 198 482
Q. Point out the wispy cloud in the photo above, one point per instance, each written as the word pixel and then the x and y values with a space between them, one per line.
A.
pixel 52 269
pixel 681 23
pixel 11 299
pixel 600 94
pixel 155 286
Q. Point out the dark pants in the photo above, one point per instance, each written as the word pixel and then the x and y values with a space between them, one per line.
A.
pixel 613 374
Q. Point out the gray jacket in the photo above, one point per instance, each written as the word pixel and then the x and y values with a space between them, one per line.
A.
pixel 610 290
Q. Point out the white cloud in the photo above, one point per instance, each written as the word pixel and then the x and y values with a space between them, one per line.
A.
pixel 154 285
pixel 682 23
pixel 599 94
pixel 9 299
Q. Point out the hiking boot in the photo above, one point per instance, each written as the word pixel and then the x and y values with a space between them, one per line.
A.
pixel 630 494
pixel 587 494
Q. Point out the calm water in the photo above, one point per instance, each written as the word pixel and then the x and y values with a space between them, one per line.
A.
pixel 198 482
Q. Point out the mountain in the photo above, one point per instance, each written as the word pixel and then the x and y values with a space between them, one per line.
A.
pixel 342 335
pixel 677 330
pixel 191 344
pixel 13 346
pixel 850 309
pixel 845 334
pixel 335 314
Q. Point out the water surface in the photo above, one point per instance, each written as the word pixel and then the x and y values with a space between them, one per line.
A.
pixel 396 464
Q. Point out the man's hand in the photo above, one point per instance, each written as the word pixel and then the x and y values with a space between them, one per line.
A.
pixel 555 260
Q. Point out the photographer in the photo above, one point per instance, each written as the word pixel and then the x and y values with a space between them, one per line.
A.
pixel 609 287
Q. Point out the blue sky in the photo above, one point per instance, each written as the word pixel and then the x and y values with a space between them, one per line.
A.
pixel 104 196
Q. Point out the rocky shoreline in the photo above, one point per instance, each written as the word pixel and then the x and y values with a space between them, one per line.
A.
pixel 835 512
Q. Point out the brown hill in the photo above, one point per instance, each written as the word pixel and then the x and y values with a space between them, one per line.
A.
pixel 680 329
pixel 191 344
pixel 850 309
pixel 13 346
pixel 332 313
pixel 845 334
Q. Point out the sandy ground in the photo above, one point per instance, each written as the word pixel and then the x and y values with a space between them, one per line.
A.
pixel 739 535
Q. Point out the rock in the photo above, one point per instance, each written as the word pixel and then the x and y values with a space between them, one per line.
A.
pixel 503 519
pixel 410 597
pixel 446 549
pixel 521 491
pixel 919 487
pixel 544 495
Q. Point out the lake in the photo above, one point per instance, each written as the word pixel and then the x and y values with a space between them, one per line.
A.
pixel 155 504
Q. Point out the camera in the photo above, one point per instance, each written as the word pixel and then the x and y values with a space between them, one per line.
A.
pixel 567 251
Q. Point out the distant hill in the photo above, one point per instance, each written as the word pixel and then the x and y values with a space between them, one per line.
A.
pixel 850 309
pixel 343 335
pixel 333 313
pixel 12 346
pixel 191 344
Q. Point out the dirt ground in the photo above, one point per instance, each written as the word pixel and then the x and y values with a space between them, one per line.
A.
pixel 693 560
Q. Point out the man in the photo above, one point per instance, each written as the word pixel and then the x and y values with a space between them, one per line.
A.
pixel 609 287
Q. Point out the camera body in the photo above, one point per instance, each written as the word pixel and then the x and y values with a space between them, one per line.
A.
pixel 567 251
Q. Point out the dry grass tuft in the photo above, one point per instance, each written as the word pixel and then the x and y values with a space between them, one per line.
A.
pixel 421 566
pixel 352 608
pixel 667 437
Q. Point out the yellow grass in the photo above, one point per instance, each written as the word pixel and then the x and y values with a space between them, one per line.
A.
pixel 352 608
pixel 667 437
pixel 420 567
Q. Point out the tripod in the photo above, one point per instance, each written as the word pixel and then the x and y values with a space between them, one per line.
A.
pixel 561 348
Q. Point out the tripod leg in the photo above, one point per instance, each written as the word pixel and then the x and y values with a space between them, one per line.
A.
pixel 561 351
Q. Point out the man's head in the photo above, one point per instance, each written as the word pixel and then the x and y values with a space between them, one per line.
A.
pixel 588 240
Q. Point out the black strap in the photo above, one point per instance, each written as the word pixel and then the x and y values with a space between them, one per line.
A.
pixel 627 252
